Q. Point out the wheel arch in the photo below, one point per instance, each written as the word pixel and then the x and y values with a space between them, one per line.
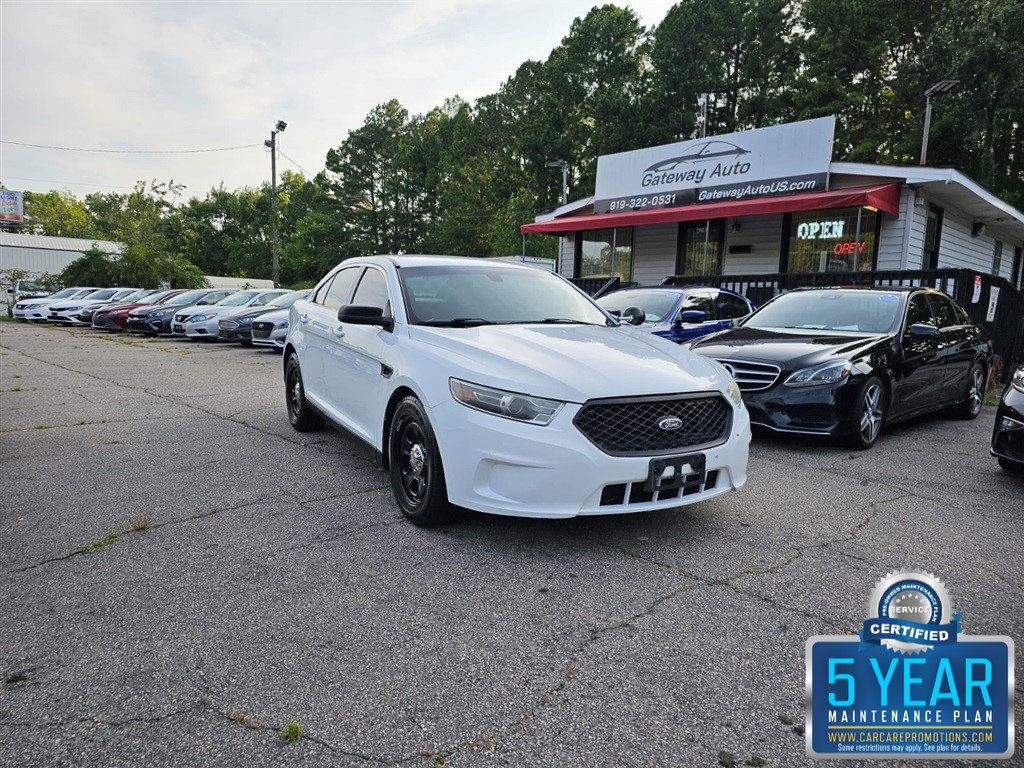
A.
pixel 389 412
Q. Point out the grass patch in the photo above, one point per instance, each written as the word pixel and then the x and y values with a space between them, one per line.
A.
pixel 14 389
pixel 855 455
pixel 45 426
pixel 292 731
pixel 139 522
pixel 98 544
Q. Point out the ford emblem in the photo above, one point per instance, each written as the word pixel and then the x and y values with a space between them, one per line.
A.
pixel 670 423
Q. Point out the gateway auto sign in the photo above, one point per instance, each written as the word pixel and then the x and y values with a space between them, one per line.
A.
pixel 780 160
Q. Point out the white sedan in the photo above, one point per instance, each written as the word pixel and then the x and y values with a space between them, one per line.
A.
pixel 270 330
pixel 66 312
pixel 39 309
pixel 506 390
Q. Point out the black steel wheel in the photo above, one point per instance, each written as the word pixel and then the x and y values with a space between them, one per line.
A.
pixel 974 394
pixel 417 475
pixel 302 417
pixel 868 414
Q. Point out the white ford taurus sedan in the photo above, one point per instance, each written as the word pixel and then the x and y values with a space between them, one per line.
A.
pixel 505 389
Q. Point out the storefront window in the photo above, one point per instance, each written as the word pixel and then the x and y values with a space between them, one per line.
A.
pixel 607 252
pixel 829 241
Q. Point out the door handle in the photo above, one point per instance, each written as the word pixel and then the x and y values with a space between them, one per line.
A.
pixel 304 318
pixel 339 331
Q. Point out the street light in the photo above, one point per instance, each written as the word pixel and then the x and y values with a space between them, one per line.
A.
pixel 272 143
pixel 943 86
pixel 565 177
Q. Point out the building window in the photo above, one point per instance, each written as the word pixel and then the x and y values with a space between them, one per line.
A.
pixel 837 240
pixel 932 236
pixel 606 252
pixel 997 258
pixel 700 247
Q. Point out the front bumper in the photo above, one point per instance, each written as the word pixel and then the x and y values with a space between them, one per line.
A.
pixel 823 409
pixel 242 333
pixel 503 467
pixel 269 337
pixel 148 325
pixel 109 322
pixel 1008 434
pixel 206 329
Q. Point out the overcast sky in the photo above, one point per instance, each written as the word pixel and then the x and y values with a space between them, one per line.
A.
pixel 186 76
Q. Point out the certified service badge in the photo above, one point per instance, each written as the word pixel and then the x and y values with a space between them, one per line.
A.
pixel 912 685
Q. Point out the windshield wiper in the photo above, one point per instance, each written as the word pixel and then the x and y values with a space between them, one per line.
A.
pixel 457 322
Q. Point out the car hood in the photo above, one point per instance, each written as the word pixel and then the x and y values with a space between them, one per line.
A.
pixel 572 363
pixel 789 348
pixel 275 315
pixel 249 312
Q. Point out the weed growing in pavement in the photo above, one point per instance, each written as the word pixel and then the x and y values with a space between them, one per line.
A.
pixel 855 455
pixel 139 522
pixel 98 544
pixel 15 389
pixel 630 552
pixel 292 731
pixel 44 426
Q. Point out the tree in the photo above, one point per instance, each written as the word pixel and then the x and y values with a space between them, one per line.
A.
pixel 59 214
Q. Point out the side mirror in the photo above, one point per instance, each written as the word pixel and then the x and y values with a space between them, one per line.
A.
pixel 633 316
pixel 357 314
pixel 924 330
pixel 691 316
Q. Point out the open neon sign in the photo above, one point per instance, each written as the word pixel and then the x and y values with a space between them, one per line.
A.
pixel 848 248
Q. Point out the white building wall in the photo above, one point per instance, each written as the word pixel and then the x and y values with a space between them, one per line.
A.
pixel 567 254
pixel 764 236
pixel 957 248
pixel 894 237
pixel 654 253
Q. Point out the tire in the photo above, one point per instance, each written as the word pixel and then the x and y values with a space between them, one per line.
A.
pixel 302 417
pixel 868 414
pixel 1012 466
pixel 974 394
pixel 417 475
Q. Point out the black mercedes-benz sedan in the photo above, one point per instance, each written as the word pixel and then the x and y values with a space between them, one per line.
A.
pixel 846 361
pixel 1008 433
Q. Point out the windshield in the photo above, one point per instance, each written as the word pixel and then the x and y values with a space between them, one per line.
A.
pixel 107 293
pixel 64 294
pixel 188 297
pixel 287 299
pixel 840 310
pixel 136 295
pixel 479 294
pixel 238 299
pixel 657 305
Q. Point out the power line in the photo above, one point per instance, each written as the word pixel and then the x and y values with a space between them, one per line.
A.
pixel 131 151
pixel 282 154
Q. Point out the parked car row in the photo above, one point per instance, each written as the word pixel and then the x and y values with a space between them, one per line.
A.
pixel 505 390
pixel 205 313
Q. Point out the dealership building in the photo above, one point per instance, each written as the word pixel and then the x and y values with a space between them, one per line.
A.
pixel 772 200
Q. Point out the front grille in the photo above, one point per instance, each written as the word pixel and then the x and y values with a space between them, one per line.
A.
pixel 620 494
pixel 262 330
pixel 181 318
pixel 751 376
pixel 227 325
pixel 624 427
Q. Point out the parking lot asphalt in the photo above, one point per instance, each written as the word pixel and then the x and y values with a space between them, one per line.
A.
pixel 182 575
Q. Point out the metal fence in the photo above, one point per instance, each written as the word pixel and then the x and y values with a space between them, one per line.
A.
pixel 992 302
pixel 597 286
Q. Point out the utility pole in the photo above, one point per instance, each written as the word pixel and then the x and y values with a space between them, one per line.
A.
pixel 272 143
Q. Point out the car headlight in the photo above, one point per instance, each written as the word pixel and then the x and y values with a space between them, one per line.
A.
pixel 732 391
pixel 510 405
pixel 200 318
pixel 1017 380
pixel 829 373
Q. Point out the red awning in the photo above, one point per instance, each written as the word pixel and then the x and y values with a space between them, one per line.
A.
pixel 884 197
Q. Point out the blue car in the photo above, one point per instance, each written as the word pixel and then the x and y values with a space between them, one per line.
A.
pixel 677 313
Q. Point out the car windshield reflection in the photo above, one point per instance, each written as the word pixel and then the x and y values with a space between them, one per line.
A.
pixel 843 310
pixel 472 295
